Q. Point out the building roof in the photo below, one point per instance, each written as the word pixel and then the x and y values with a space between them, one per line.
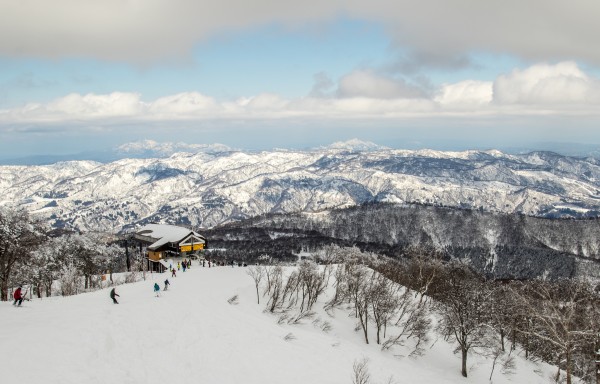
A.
pixel 164 233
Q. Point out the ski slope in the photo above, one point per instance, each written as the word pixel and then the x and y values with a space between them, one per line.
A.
pixel 192 334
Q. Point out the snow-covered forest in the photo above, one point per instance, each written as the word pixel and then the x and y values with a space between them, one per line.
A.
pixel 497 245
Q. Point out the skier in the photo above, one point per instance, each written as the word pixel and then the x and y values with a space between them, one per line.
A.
pixel 178 266
pixel 173 273
pixel 157 289
pixel 112 296
pixel 18 296
pixel 167 284
pixel 183 266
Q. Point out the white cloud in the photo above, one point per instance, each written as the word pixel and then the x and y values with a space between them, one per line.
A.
pixel 182 104
pixel 468 93
pixel 76 106
pixel 114 104
pixel 563 83
pixel 435 30
pixel 364 83
pixel 264 102
pixel 542 88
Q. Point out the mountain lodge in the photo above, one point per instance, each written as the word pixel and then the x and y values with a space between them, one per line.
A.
pixel 163 240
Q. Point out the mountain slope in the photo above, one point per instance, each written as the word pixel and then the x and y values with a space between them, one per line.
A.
pixel 207 189
pixel 191 334
pixel 500 246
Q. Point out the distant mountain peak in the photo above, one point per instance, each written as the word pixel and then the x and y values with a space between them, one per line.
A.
pixel 355 145
pixel 151 148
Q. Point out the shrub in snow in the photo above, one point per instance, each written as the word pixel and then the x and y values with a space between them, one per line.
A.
pixel 69 280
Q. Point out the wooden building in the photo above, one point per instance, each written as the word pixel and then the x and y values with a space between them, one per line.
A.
pixel 163 241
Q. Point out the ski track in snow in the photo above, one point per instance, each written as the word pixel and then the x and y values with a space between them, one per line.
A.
pixel 191 334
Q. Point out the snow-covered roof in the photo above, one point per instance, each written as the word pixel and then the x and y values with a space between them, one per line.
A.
pixel 164 233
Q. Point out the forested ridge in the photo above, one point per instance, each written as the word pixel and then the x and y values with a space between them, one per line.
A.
pixel 506 246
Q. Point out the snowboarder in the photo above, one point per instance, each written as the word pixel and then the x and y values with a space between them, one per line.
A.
pixel 156 289
pixel 112 296
pixel 18 296
pixel 167 284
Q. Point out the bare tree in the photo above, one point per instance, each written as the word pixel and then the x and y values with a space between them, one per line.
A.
pixel 256 272
pixel 597 357
pixel 275 290
pixel 383 302
pixel 463 305
pixel 358 287
pixel 360 372
pixel 423 269
pixel 565 317
pixel 339 284
pixel 312 282
pixel 413 322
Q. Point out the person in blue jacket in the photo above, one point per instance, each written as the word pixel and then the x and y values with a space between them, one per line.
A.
pixel 157 289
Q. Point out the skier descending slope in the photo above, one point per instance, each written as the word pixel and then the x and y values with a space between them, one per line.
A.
pixel 157 289
pixel 18 297
pixel 112 296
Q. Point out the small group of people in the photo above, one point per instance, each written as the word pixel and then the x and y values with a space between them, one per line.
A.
pixel 216 263
pixel 185 264
pixel 157 287
pixel 239 264
pixel 114 294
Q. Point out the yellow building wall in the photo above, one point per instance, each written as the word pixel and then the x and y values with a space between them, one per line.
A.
pixel 155 256
pixel 188 248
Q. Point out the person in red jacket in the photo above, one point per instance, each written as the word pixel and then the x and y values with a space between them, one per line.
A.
pixel 18 296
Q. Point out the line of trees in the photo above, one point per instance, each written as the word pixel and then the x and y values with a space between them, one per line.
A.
pixel 29 256
pixel 20 237
pixel 557 322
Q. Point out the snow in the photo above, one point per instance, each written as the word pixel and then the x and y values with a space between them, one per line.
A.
pixel 164 233
pixel 191 334
pixel 212 190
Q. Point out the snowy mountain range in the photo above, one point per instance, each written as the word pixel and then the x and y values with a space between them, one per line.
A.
pixel 217 185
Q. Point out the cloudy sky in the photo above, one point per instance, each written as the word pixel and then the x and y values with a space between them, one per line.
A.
pixel 83 75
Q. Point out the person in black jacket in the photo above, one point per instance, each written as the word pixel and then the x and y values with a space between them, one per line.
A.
pixel 112 296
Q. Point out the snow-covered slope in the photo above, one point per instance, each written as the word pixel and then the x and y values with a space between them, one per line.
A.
pixel 207 189
pixel 191 334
